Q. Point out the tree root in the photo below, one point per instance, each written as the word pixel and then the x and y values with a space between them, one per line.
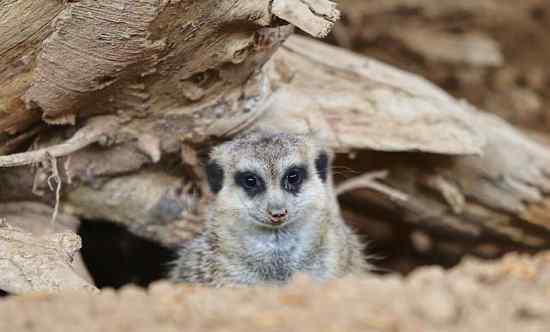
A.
pixel 95 129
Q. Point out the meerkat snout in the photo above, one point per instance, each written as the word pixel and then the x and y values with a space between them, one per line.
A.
pixel 278 215
pixel 276 208
pixel 273 214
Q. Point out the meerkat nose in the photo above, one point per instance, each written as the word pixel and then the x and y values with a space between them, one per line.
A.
pixel 278 215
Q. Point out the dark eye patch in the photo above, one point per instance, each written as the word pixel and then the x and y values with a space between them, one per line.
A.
pixel 321 165
pixel 214 174
pixel 293 179
pixel 252 183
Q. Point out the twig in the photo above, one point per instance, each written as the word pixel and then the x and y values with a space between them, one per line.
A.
pixel 368 180
pixel 93 131
pixel 55 176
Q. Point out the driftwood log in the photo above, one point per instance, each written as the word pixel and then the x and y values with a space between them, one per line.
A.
pixel 107 107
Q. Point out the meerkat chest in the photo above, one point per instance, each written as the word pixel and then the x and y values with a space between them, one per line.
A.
pixel 278 258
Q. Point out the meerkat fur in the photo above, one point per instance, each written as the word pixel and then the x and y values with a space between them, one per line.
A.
pixel 273 215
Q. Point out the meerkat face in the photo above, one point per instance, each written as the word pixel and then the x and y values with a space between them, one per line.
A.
pixel 269 181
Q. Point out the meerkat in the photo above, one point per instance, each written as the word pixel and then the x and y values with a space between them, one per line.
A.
pixel 273 214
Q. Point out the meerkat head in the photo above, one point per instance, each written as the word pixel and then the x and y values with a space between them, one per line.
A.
pixel 269 180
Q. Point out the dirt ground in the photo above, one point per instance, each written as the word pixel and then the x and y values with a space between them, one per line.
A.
pixel 510 295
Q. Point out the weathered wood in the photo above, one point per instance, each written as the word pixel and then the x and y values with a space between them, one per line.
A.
pixel 96 129
pixel 151 204
pixel 200 55
pixel 36 219
pixel 501 196
pixel 359 103
pixel 494 195
pixel 38 263
pixel 170 76
pixel 24 25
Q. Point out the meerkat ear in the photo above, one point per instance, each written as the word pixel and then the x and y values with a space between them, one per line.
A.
pixel 214 174
pixel 321 165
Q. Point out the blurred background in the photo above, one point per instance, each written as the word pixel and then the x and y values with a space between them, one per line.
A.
pixel 494 53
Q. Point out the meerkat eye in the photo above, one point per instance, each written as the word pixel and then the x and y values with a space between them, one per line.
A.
pixel 293 179
pixel 250 182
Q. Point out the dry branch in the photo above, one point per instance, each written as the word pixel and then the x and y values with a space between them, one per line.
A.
pixel 98 128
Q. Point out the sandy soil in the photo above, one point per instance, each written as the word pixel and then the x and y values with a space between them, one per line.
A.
pixel 508 295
